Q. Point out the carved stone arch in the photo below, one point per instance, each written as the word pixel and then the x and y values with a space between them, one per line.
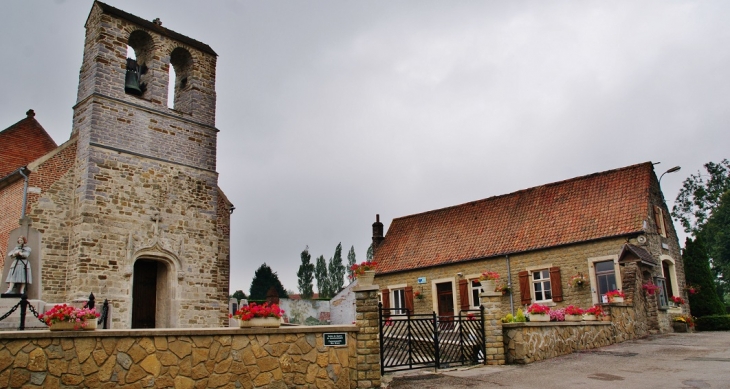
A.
pixel 155 288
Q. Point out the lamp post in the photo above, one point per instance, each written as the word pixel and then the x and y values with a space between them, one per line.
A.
pixel 672 170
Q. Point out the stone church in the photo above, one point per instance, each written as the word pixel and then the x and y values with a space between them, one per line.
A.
pixel 129 207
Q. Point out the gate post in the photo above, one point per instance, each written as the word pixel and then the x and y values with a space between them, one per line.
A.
pixel 368 344
pixel 492 303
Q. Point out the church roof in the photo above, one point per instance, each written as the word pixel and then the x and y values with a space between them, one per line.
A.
pixel 22 143
pixel 601 205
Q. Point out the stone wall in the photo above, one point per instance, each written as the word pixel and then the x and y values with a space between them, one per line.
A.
pixel 203 358
pixel 531 342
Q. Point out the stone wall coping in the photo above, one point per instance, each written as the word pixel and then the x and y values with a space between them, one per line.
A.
pixel 619 305
pixel 557 324
pixel 366 288
pixel 176 332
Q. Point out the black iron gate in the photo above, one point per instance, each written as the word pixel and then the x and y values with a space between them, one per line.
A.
pixel 415 341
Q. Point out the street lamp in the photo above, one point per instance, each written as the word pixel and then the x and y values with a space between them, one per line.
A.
pixel 672 170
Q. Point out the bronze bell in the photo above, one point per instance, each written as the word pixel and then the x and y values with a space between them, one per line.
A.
pixel 132 84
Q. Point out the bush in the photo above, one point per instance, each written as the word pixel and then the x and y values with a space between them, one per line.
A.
pixel 714 323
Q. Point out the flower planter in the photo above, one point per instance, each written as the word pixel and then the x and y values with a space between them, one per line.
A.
pixel 574 317
pixel 269 322
pixel 488 285
pixel 366 278
pixel 616 300
pixel 68 326
pixel 679 326
pixel 589 317
pixel 539 317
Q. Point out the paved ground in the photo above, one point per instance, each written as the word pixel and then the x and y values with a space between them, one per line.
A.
pixel 698 360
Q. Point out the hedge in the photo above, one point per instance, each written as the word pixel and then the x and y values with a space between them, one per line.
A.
pixel 713 323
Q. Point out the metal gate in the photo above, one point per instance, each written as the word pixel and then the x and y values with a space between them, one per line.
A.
pixel 415 341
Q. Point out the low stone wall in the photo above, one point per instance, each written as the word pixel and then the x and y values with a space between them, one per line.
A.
pixel 626 324
pixel 180 358
pixel 530 342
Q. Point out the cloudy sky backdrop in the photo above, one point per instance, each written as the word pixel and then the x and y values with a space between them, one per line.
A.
pixel 331 112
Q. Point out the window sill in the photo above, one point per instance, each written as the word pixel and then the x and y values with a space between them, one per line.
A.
pixel 549 303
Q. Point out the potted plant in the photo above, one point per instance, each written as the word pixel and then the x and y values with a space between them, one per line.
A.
pixel 615 296
pixel 364 272
pixel 578 281
pixel 254 315
pixel 683 323
pixel 678 300
pixel 64 317
pixel 488 279
pixel 650 288
pixel 418 295
pixel 539 312
pixel 503 288
pixel 692 289
pixel 573 313
pixel 557 314
pixel 593 313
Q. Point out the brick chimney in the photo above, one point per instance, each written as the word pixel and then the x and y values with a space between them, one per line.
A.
pixel 377 233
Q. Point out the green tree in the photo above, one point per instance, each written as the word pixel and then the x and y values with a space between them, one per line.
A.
pixel 369 255
pixel 700 196
pixel 306 275
pixel 351 260
pixel 239 295
pixel 697 273
pixel 320 274
pixel 263 279
pixel 336 270
pixel 716 235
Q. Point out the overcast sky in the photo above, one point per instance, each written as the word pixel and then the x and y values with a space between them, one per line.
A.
pixel 331 112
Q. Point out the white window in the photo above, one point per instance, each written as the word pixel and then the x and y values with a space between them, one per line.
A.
pixel 399 301
pixel 671 286
pixel 541 289
pixel 604 276
pixel 475 289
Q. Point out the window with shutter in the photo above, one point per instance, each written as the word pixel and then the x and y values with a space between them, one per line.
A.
pixel 525 295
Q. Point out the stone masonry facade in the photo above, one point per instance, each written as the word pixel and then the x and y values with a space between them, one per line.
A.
pixel 136 181
pixel 204 358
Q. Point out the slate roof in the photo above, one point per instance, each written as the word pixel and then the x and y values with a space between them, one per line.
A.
pixel 600 205
pixel 22 143
pixel 639 253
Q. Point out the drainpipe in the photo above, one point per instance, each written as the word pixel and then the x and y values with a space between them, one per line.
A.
pixel 511 291
pixel 25 192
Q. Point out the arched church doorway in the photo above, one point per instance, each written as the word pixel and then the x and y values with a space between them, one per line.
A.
pixel 151 294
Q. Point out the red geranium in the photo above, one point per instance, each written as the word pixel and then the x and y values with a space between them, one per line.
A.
pixel 358 270
pixel 67 314
pixel 537 309
pixel 573 310
pixel 248 312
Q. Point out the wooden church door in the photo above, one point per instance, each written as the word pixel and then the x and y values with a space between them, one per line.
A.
pixel 144 294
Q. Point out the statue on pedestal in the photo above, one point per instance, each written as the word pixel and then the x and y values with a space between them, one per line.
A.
pixel 20 267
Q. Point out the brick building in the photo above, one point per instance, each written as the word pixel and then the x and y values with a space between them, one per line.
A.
pixel 611 228
pixel 129 207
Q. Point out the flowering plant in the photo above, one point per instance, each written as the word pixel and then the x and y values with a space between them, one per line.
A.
pixel 489 275
pixel 417 294
pixel 519 317
pixel 537 309
pixel 678 300
pixel 595 310
pixel 502 287
pixel 248 312
pixel 557 315
pixel 577 281
pixel 573 310
pixel 358 270
pixel 685 319
pixel 650 288
pixel 691 289
pixel 614 293
pixel 67 314
pixel 470 316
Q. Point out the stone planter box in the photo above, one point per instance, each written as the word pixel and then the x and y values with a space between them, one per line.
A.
pixel 678 326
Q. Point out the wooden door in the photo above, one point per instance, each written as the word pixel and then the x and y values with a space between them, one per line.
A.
pixel 144 294
pixel 445 293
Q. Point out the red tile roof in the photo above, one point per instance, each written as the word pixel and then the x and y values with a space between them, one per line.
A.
pixel 22 143
pixel 600 205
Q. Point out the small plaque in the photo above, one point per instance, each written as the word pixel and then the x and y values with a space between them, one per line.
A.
pixel 421 280
pixel 335 339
